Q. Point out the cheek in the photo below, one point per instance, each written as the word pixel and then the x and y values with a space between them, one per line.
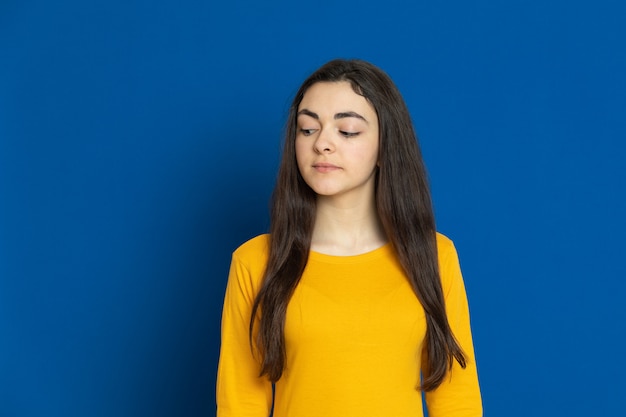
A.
pixel 368 155
pixel 300 154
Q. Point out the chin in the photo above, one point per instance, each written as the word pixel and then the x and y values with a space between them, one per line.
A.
pixel 325 193
pixel 323 189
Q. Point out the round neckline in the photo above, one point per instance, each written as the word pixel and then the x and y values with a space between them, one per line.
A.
pixel 351 259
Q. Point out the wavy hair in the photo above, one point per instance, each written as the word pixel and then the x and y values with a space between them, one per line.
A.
pixel 403 204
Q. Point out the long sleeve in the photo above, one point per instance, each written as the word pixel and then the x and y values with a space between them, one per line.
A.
pixel 459 394
pixel 240 390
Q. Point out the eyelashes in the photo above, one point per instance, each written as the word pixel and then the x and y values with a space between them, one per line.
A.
pixel 309 132
pixel 349 134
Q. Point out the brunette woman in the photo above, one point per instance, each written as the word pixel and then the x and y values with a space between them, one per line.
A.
pixel 353 304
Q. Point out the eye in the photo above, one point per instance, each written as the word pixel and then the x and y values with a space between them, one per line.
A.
pixel 348 134
pixel 307 132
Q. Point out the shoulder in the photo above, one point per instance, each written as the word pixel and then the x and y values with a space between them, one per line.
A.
pixel 248 265
pixel 254 251
pixel 445 246
pixel 449 268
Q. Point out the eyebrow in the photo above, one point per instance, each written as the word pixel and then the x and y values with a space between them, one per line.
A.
pixel 337 116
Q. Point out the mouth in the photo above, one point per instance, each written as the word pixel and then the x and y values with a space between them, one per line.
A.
pixel 325 167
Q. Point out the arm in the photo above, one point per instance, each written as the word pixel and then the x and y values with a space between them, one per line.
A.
pixel 459 393
pixel 240 390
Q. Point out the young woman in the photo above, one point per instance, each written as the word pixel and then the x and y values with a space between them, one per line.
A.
pixel 353 305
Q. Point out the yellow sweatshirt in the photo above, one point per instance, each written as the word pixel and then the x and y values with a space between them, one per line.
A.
pixel 354 331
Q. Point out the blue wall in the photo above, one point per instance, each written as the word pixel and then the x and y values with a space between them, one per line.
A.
pixel 138 146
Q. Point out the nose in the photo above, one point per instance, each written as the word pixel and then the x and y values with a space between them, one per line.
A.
pixel 324 142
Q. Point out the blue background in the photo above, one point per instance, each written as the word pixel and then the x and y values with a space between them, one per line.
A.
pixel 139 142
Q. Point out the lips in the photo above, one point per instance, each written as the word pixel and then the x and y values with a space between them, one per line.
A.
pixel 325 167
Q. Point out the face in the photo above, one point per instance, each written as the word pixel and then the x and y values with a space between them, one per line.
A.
pixel 337 141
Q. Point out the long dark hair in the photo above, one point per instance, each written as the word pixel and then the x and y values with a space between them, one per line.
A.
pixel 404 207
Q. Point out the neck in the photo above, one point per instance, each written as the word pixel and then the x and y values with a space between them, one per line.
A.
pixel 346 228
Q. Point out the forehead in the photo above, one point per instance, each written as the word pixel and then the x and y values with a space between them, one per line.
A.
pixel 333 97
